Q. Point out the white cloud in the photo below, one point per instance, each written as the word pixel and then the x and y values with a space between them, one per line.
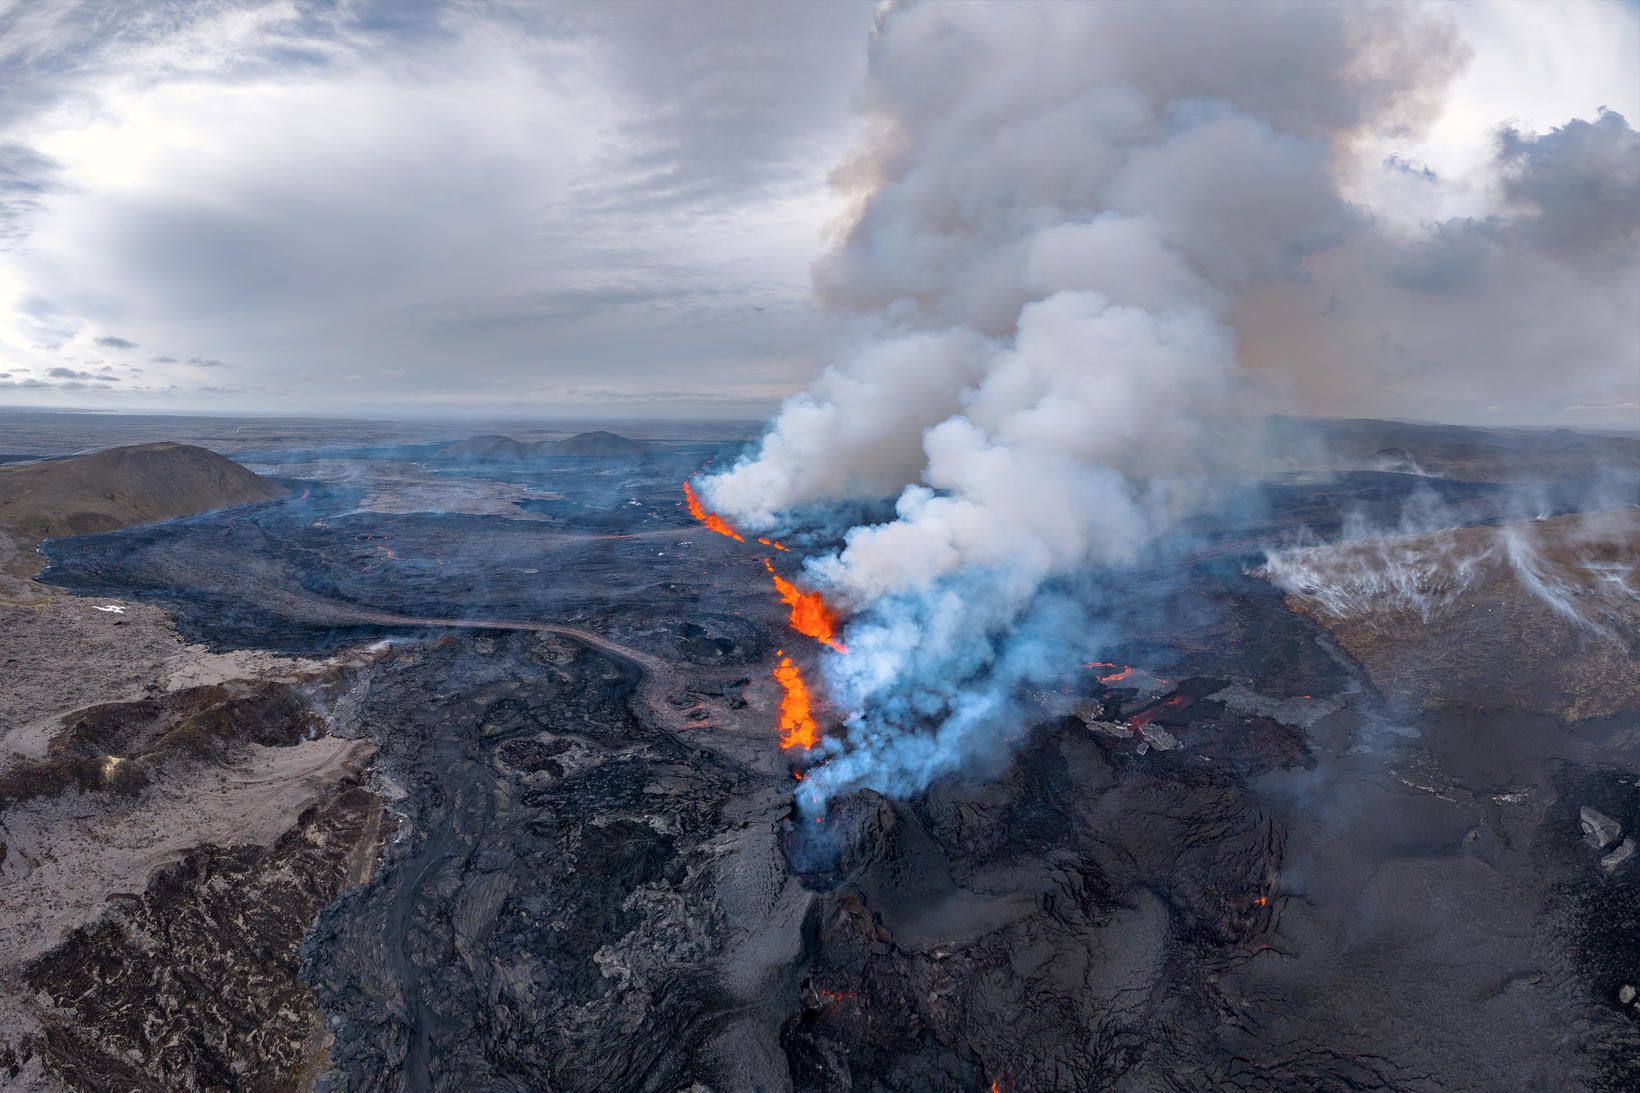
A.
pixel 496 203
pixel 485 203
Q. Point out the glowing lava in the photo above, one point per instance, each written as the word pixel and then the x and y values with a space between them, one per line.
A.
pixel 810 615
pixel 797 726
pixel 1166 705
pixel 712 520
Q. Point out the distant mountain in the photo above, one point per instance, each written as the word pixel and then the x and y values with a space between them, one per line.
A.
pixel 489 447
pixel 1462 452
pixel 120 487
pixel 599 443
pixel 504 448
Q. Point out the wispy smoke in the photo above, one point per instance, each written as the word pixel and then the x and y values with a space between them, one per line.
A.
pixel 1579 567
pixel 1058 209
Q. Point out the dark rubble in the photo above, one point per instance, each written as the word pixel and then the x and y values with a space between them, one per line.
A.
pixel 594 875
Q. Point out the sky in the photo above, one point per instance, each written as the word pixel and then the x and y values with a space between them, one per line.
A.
pixel 406 209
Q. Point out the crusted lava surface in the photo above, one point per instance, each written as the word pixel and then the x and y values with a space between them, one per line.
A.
pixel 1241 867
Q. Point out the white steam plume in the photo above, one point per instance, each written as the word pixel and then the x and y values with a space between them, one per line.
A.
pixel 1059 207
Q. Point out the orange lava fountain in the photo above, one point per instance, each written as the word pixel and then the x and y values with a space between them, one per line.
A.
pixel 712 520
pixel 810 615
pixel 797 725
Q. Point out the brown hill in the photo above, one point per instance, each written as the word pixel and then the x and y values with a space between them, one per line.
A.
pixel 121 487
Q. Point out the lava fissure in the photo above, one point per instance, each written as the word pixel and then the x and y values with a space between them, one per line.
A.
pixel 810 614
pixel 798 728
pixel 711 520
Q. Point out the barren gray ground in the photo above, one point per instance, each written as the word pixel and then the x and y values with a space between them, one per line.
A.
pixel 573 861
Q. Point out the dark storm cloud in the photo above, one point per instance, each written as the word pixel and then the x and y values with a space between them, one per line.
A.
pixel 1528 311
pixel 1454 255
pixel 1406 167
pixel 1582 183
pixel 69 374
pixel 1576 197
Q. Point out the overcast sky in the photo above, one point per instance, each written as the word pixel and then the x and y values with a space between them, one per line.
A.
pixel 610 209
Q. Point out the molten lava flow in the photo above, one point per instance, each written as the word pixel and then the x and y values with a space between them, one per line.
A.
pixel 771 543
pixel 810 615
pixel 1166 705
pixel 712 520
pixel 797 726
pixel 1260 901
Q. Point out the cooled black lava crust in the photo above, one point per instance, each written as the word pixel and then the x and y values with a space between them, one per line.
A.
pixel 598 880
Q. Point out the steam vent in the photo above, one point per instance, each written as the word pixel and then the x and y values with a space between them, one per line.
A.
pixel 695 547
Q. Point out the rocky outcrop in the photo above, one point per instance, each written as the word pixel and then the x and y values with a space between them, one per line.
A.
pixel 192 984
pixel 1599 829
pixel 1619 857
pixel 161 862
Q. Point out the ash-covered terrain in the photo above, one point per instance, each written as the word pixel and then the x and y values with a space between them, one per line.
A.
pixel 461 768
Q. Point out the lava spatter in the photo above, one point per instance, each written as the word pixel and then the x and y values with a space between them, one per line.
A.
pixel 798 728
pixel 810 614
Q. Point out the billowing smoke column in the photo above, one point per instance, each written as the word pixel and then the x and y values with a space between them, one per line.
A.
pixel 1058 207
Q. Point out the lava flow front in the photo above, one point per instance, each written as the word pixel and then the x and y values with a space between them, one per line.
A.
pixel 712 520
pixel 810 615
pixel 797 725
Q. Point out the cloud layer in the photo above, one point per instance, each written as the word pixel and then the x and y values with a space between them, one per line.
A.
pixel 444 208
pixel 451 207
